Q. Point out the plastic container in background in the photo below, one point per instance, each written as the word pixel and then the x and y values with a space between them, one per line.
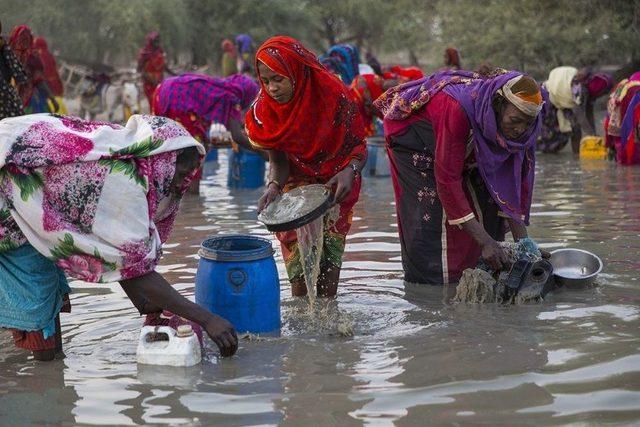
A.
pixel 212 155
pixel 238 280
pixel 593 148
pixel 377 158
pixel 163 345
pixel 246 169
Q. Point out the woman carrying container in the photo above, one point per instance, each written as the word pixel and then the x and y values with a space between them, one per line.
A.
pixel 462 154
pixel 309 123
pixel 93 201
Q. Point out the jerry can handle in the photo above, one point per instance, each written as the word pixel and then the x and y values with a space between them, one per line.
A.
pixel 148 330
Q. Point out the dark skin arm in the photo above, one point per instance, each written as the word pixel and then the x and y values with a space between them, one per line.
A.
pixel 342 182
pixel 492 253
pixel 152 292
pixel 239 136
pixel 278 172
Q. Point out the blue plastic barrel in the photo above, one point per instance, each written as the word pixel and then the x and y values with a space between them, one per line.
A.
pixel 246 169
pixel 238 280
pixel 212 155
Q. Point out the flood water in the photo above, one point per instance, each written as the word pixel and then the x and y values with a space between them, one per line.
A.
pixel 415 359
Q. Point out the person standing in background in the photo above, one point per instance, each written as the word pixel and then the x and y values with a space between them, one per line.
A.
pixel 229 59
pixel 34 91
pixel 10 69
pixel 51 75
pixel 152 65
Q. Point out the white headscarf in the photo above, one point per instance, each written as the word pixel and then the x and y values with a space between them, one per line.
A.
pixel 529 108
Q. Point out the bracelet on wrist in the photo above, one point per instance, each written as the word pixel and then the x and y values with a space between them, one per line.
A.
pixel 276 183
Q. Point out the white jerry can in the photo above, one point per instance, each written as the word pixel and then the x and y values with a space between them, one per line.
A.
pixel 163 345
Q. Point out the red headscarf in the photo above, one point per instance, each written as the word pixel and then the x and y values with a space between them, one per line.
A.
pixel 366 88
pixel 50 68
pixel 149 50
pixel 404 75
pixel 21 42
pixel 320 128
pixel 229 47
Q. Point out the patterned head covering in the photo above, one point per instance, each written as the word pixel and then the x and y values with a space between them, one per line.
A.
pixel 507 167
pixel 319 128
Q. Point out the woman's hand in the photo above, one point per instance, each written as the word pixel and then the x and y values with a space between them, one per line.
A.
pixel 343 182
pixel 545 254
pixel 223 334
pixel 494 255
pixel 270 194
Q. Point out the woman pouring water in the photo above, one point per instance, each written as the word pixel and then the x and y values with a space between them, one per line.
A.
pixel 309 123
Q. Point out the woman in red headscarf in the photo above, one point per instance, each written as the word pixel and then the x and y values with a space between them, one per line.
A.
pixel 35 91
pixel 309 123
pixel 151 64
pixel 229 58
pixel 51 75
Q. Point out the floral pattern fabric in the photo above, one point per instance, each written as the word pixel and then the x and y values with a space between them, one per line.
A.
pixel 93 197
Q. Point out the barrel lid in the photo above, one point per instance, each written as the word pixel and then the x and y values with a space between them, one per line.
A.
pixel 236 248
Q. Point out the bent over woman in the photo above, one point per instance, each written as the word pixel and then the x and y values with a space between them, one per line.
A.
pixel 462 154
pixel 307 119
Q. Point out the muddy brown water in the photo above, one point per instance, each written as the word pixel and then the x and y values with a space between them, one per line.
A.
pixel 415 359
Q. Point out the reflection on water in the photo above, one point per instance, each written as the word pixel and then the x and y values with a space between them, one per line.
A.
pixel 414 356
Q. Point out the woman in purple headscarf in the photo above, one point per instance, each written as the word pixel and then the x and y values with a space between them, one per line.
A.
pixel 462 154
pixel 197 101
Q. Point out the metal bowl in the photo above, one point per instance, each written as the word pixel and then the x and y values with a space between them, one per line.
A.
pixel 575 267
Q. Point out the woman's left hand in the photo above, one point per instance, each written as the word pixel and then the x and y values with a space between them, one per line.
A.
pixel 342 182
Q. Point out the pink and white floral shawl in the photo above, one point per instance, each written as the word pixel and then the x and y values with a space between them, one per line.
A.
pixel 93 197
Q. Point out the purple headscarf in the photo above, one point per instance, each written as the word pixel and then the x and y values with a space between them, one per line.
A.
pixel 507 167
pixel 244 41
pixel 212 99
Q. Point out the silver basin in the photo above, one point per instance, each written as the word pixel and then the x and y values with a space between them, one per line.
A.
pixel 575 267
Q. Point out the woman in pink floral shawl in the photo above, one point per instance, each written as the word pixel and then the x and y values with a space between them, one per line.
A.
pixel 94 201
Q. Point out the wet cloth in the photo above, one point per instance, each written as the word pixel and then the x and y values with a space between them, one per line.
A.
pixel 10 69
pixel 366 88
pixel 50 68
pixel 197 100
pixel 32 290
pixel 507 167
pixel 437 187
pixel 95 198
pixel 320 128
